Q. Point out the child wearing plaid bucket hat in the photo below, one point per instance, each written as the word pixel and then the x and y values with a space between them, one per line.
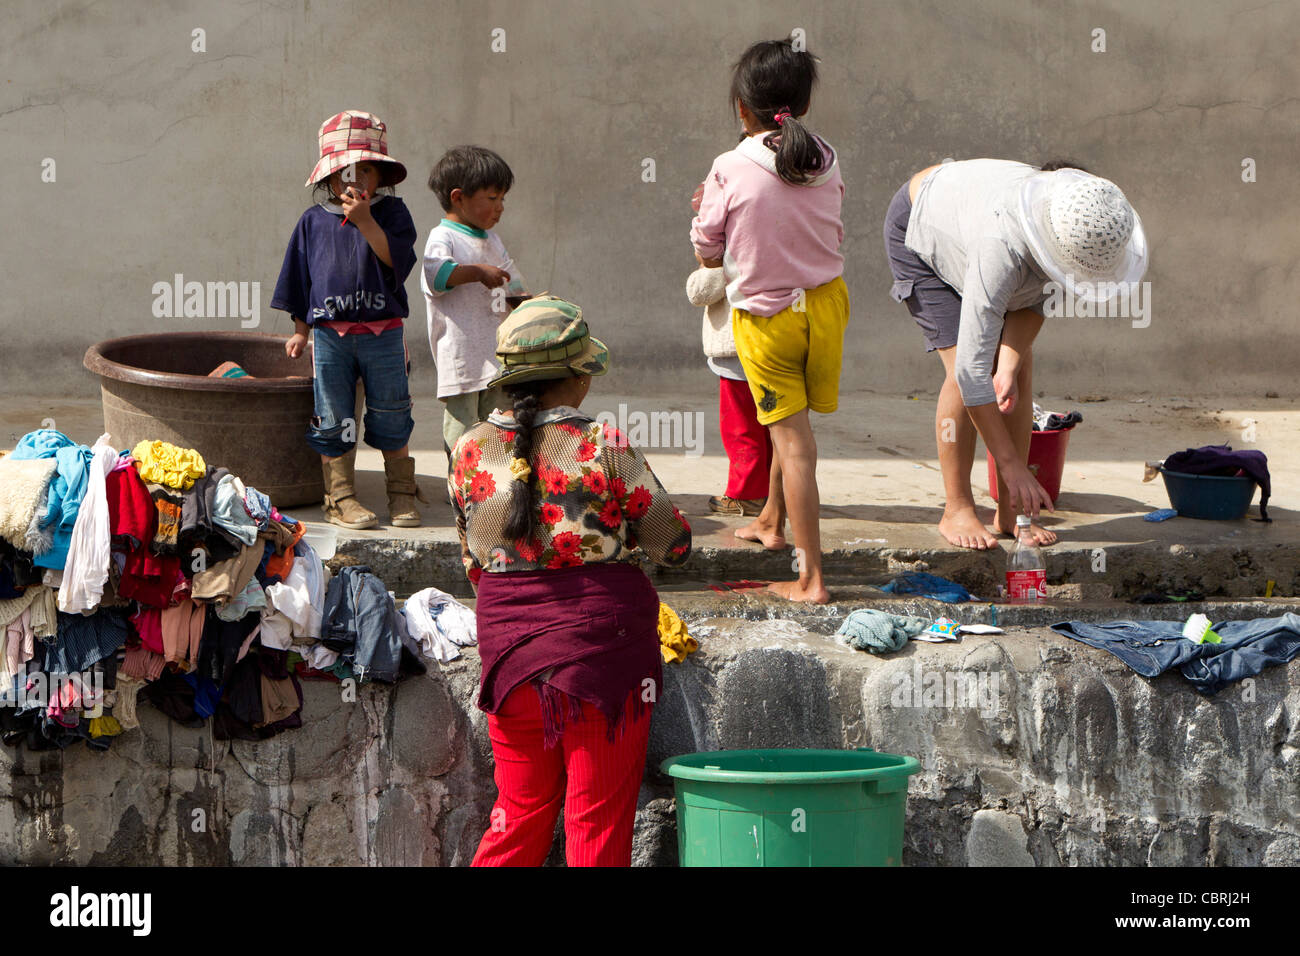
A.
pixel 343 284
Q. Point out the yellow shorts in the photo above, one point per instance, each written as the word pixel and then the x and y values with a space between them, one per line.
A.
pixel 792 359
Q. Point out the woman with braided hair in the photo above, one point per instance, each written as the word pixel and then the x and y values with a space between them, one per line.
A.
pixel 552 508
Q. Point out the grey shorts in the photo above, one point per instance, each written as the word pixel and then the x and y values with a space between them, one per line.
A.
pixel 934 304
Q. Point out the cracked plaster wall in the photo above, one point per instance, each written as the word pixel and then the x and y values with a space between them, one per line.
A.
pixel 170 161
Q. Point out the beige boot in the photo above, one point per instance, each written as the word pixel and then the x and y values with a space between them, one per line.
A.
pixel 341 506
pixel 403 492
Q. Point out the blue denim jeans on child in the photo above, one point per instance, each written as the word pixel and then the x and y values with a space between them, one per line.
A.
pixel 380 362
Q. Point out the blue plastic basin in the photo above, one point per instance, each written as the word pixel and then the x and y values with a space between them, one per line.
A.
pixel 1213 497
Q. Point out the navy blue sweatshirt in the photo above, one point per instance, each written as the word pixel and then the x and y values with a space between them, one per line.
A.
pixel 330 272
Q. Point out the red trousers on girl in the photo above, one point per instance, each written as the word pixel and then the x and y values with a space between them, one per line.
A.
pixel 596 782
pixel 748 447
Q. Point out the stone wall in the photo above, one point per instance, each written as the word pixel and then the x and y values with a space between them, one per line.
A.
pixel 1059 755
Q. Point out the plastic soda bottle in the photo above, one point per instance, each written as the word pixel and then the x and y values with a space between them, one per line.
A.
pixel 1026 569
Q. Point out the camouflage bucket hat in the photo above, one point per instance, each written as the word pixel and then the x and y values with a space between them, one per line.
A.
pixel 545 338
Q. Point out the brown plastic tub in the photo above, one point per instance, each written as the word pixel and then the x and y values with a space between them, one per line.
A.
pixel 157 387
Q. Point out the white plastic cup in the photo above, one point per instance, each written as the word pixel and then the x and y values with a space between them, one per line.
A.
pixel 323 539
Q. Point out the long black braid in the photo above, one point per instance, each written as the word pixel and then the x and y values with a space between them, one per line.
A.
pixel 522 523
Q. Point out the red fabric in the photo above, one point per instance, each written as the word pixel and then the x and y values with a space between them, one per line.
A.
pixel 596 781
pixel 147 623
pixel 151 579
pixel 344 327
pixel 131 511
pixel 132 522
pixel 748 447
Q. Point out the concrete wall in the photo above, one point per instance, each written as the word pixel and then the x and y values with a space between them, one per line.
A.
pixel 171 161
pixel 1034 751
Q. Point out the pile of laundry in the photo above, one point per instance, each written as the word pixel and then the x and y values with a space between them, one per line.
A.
pixel 147 574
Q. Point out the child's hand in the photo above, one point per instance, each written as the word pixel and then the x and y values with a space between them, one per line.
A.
pixel 294 345
pixel 356 205
pixel 492 277
pixel 708 263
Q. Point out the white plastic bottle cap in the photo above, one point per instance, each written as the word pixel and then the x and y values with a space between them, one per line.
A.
pixel 1022 521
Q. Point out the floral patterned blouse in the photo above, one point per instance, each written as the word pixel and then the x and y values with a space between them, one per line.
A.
pixel 597 499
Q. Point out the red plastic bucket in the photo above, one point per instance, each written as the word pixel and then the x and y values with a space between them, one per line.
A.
pixel 1046 461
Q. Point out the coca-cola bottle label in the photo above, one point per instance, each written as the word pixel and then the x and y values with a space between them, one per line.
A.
pixel 1026 585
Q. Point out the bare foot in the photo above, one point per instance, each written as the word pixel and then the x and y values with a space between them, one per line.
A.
pixel 769 537
pixel 794 591
pixel 1041 535
pixel 965 530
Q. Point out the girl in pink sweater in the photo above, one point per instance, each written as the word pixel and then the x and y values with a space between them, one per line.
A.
pixel 771 213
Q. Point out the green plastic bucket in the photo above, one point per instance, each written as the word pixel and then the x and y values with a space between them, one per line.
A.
pixel 790 807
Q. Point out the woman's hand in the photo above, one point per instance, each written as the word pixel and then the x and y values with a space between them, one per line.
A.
pixel 1007 390
pixel 1023 489
pixel 294 345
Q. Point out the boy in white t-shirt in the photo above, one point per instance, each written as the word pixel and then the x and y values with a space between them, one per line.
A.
pixel 468 284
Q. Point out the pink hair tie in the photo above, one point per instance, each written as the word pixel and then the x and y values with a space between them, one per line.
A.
pixel 781 117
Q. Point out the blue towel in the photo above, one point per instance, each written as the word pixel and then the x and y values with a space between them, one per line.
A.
pixel 928 585
pixel 69 486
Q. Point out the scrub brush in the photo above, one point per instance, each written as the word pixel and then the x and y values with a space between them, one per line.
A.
pixel 1198 629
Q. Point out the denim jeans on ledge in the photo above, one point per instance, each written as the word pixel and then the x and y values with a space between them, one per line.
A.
pixel 1153 647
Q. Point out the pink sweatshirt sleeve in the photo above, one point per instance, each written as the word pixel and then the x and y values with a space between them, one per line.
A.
pixel 709 228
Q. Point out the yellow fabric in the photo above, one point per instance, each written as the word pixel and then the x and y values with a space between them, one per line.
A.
pixel 520 470
pixel 792 359
pixel 106 726
pixel 164 464
pixel 674 641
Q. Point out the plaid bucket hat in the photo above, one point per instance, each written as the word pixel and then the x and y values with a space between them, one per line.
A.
pixel 354 136
pixel 545 338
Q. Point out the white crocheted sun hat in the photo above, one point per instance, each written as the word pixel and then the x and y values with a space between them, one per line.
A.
pixel 1082 229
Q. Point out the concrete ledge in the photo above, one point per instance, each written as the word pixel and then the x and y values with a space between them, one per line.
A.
pixel 1217 569
pixel 1034 749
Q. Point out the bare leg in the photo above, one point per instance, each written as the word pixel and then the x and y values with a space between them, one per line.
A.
pixel 798 450
pixel 768 529
pixel 1015 364
pixel 955 439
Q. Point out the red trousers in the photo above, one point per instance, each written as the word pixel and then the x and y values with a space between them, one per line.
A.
pixel 597 782
pixel 749 449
